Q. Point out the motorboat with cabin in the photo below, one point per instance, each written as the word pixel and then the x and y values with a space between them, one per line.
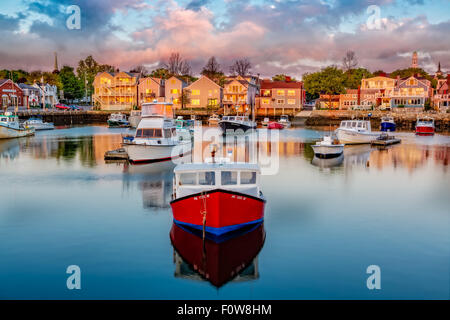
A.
pixel 214 120
pixel 10 127
pixel 118 120
pixel 232 124
pixel 265 122
pixel 356 132
pixel 327 149
pixel 284 120
pixel 217 197
pixel 425 126
pixel 38 124
pixel 156 138
pixel 134 118
pixel 388 124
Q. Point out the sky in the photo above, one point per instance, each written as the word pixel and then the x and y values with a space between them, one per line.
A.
pixel 278 36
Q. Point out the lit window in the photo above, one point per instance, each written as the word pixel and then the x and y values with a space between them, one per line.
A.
pixel 176 101
pixel 148 91
pixel 266 101
pixel 195 92
pixel 280 92
pixel 173 91
pixel 195 102
pixel 291 101
pixel 280 101
pixel 291 92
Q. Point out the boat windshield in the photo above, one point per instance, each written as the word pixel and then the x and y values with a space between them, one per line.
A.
pixel 149 133
pixel 216 178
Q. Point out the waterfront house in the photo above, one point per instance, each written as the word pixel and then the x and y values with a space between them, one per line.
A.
pixel 384 87
pixel 31 95
pixel 278 97
pixel 240 93
pixel 151 88
pixel 205 93
pixel 11 93
pixel 174 87
pixel 349 100
pixel 327 101
pixel 441 99
pixel 116 91
pixel 411 93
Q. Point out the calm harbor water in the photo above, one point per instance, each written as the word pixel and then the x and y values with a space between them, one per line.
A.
pixel 326 222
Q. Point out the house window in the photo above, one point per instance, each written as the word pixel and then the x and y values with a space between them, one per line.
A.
pixel 195 102
pixel 291 101
pixel 148 91
pixel 280 92
pixel 266 93
pixel 174 91
pixel 291 92
pixel 195 92
pixel 266 101
pixel 212 102
pixel 176 101
pixel 280 101
pixel 173 81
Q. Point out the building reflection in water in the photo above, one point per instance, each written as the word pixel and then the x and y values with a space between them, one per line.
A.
pixel 217 261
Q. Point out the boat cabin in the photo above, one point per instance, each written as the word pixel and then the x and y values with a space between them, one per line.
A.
pixel 235 118
pixel 157 109
pixel 197 177
pixel 425 121
pixel 9 120
pixel 357 125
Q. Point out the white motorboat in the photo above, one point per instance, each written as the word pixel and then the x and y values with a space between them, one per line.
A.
pixel 39 124
pixel 265 122
pixel 10 127
pixel 284 120
pixel 156 138
pixel 214 120
pixel 118 120
pixel 326 149
pixel 135 118
pixel 233 124
pixel 356 132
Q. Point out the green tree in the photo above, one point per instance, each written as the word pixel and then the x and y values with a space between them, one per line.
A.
pixel 71 85
pixel 162 73
pixel 330 80
pixel 353 77
pixel 185 97
pixel 282 77
pixel 87 70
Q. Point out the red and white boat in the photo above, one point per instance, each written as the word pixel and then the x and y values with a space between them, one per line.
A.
pixel 425 126
pixel 275 126
pixel 217 197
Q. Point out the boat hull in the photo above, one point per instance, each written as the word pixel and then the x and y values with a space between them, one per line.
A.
pixel 328 152
pixel 424 130
pixel 142 154
pixel 353 137
pixel 388 127
pixel 226 211
pixel 118 124
pixel 275 126
pixel 233 127
pixel 9 133
pixel 134 121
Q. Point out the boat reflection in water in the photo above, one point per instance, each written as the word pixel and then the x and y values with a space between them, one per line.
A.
pixel 9 149
pixel 230 258
pixel 357 155
pixel 328 163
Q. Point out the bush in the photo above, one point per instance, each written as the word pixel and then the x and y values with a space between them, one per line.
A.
pixel 401 106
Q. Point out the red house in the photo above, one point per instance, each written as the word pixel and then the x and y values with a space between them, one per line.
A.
pixel 11 94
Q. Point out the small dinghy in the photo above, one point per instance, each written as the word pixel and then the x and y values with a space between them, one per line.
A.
pixel 326 149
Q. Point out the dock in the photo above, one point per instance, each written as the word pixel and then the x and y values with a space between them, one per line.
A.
pixel 118 154
pixel 386 142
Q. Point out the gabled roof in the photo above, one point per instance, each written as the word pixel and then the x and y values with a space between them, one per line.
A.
pixel 204 77
pixel 269 84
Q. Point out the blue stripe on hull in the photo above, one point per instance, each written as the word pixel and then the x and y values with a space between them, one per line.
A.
pixel 387 127
pixel 218 231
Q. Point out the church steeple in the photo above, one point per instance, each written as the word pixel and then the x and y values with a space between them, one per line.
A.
pixel 439 72
pixel 415 60
pixel 55 67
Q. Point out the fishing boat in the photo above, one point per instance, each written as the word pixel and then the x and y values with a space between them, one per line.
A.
pixel 326 149
pixel 156 138
pixel 275 126
pixel 231 124
pixel 284 120
pixel 10 127
pixel 214 120
pixel 425 126
pixel 135 118
pixel 265 122
pixel 217 197
pixel 356 132
pixel 118 120
pixel 387 124
pixel 39 124
pixel 221 261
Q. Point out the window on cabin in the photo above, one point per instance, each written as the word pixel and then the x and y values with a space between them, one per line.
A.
pixel 188 179
pixel 167 133
pixel 207 178
pixel 229 178
pixel 353 124
pixel 151 133
pixel 248 177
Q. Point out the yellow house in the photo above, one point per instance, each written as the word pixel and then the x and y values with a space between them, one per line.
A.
pixel 205 93
pixel 173 90
pixel 115 91
pixel 385 87
pixel 239 92
pixel 151 88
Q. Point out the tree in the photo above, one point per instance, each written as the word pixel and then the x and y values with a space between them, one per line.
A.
pixel 71 85
pixel 379 73
pixel 212 68
pixel 176 65
pixel 241 67
pixel 353 77
pixel 282 77
pixel 87 70
pixel 185 97
pixel 327 81
pixel 143 71
pixel 162 73
pixel 350 61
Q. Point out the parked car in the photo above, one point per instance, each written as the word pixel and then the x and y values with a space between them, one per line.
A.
pixel 74 107
pixel 61 106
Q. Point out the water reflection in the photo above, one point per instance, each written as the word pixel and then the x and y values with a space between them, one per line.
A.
pixel 232 259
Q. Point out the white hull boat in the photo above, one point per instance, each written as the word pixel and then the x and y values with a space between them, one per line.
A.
pixel 11 128
pixel 356 132
pixel 38 124
pixel 326 149
pixel 284 120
